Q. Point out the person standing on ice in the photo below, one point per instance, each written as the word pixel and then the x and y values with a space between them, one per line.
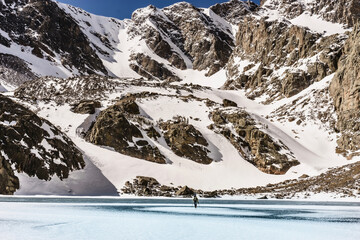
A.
pixel 195 200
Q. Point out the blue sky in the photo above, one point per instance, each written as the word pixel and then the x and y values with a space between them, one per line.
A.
pixel 123 8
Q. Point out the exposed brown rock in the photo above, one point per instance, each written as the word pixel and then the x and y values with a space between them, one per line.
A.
pixel 234 10
pixel 185 191
pixel 113 129
pixel 14 70
pixel 340 11
pixel 345 90
pixel 275 45
pixel 48 30
pixel 9 183
pixel 253 144
pixel 33 145
pixel 229 103
pixel 186 141
pixel 149 68
pixel 85 107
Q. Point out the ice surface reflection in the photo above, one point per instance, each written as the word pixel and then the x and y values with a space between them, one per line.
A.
pixel 59 218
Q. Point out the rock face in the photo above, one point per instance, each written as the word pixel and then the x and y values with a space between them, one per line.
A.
pixel 113 129
pixel 186 141
pixel 85 107
pixel 270 57
pixel 254 145
pixel 9 183
pixel 234 10
pixel 33 145
pixel 345 90
pixel 229 103
pixel 36 24
pixel 149 68
pixel 185 191
pixel 341 11
pixel 199 42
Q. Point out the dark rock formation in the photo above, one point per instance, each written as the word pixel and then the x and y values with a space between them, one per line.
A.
pixel 343 181
pixel 149 68
pixel 33 145
pixel 229 103
pixel 185 141
pixel 48 30
pixel 182 33
pixel 267 58
pixel 9 183
pixel 345 90
pixel 208 46
pixel 113 129
pixel 85 107
pixel 185 191
pixel 234 10
pixel 254 145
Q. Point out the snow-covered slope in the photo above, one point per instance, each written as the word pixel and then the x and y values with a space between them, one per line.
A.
pixel 309 142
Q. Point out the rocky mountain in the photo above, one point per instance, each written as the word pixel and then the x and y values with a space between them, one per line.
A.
pixel 32 145
pixel 231 96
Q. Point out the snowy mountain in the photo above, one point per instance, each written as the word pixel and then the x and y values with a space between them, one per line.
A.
pixel 233 96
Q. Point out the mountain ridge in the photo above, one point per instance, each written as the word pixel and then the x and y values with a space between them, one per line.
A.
pixel 280 80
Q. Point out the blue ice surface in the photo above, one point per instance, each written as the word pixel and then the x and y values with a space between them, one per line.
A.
pixel 117 218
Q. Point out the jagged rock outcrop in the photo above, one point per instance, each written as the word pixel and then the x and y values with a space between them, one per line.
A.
pixel 186 141
pixel 229 103
pixel 185 191
pixel 33 145
pixel 149 68
pixel 234 10
pixel 184 35
pixel 113 129
pixel 253 144
pixel 280 59
pixel 85 107
pixel 9 183
pixel 36 24
pixel 156 39
pixel 345 90
pixel 208 45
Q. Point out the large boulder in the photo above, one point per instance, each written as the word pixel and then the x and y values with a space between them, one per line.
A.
pixel 185 191
pixel 186 141
pixel 85 107
pixel 113 129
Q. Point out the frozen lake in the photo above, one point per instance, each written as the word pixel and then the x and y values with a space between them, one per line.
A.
pixel 97 218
